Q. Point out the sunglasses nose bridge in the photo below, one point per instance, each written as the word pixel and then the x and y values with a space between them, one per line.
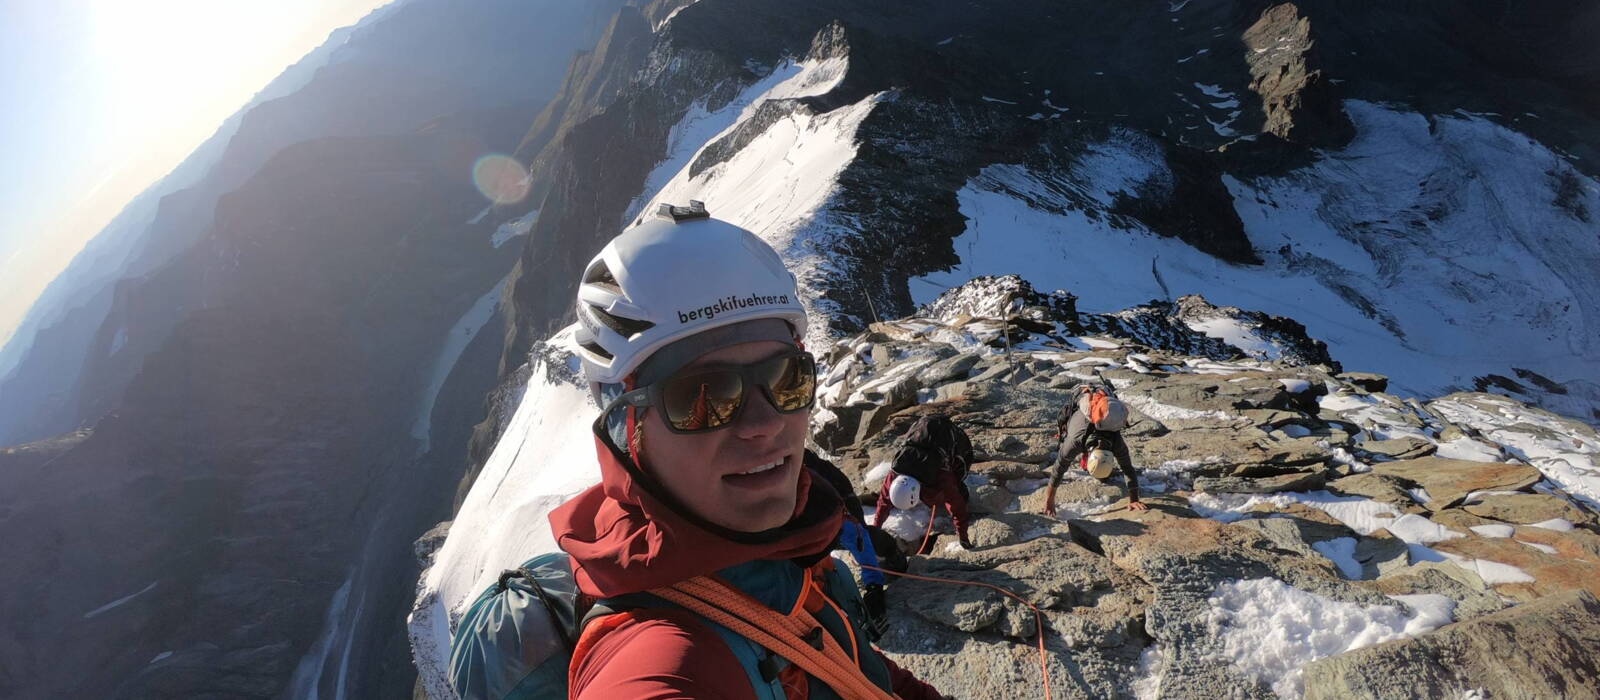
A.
pixel 757 410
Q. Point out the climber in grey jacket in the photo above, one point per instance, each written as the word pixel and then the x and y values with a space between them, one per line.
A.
pixel 1079 436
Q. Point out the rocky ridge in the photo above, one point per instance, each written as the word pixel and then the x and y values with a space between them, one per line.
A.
pixel 1419 521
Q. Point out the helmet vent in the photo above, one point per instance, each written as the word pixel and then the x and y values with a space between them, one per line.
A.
pixel 596 349
pixel 626 327
pixel 695 210
pixel 601 275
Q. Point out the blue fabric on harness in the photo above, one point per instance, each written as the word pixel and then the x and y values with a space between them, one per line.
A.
pixel 855 538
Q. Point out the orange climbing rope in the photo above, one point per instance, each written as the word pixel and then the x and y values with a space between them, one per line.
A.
pixel 797 637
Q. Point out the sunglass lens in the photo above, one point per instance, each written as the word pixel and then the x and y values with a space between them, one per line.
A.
pixel 793 382
pixel 702 401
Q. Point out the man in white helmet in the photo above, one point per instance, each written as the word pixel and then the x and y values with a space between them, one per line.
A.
pixel 1079 439
pixel 690 333
pixel 931 467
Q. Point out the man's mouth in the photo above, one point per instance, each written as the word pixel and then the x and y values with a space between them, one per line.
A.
pixel 762 468
pixel 762 476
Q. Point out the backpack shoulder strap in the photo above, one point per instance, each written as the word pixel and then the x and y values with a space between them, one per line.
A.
pixel 762 668
pixel 798 637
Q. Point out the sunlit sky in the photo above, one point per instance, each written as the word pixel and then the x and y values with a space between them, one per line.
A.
pixel 100 98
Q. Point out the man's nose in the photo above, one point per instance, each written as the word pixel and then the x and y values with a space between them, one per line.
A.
pixel 759 419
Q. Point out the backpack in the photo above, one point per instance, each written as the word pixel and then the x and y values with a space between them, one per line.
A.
pixel 516 640
pixel 1104 410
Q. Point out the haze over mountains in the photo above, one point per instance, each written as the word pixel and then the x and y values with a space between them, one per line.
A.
pixel 292 357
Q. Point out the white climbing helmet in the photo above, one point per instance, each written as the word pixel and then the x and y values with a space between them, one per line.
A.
pixel 678 273
pixel 905 492
pixel 1099 464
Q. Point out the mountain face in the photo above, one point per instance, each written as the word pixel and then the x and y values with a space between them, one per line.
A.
pixel 1226 194
pixel 278 391
pixel 257 395
pixel 1333 167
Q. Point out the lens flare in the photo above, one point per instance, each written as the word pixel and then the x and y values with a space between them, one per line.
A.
pixel 500 178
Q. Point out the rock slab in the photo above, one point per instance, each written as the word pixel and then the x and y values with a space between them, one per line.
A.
pixel 1543 649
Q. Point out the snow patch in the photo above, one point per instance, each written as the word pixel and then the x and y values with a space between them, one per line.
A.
pixel 455 342
pixel 1557 524
pixel 1494 530
pixel 1429 303
pixel 1160 411
pixel 1468 449
pixel 1361 514
pixel 1270 630
pixel 1235 333
pixel 519 226
pixel 1342 552
pixel 115 603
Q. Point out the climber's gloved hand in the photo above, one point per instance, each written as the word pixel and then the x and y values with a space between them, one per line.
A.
pixel 877 612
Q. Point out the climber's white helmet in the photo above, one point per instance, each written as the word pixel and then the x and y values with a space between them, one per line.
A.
pixel 1099 464
pixel 905 492
pixel 676 274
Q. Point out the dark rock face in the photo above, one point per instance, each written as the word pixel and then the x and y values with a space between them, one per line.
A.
pixel 1030 84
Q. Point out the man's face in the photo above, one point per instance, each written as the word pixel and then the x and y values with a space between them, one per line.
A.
pixel 726 475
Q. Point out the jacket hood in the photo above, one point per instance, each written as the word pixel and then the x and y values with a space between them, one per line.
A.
pixel 626 534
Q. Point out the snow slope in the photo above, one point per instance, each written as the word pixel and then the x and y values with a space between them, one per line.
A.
pixel 545 457
pixel 1430 250
pixel 778 184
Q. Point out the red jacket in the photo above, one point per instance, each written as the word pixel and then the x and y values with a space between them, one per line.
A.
pixel 622 540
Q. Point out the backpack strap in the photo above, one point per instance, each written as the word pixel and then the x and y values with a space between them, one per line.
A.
pixel 798 636
pixel 766 671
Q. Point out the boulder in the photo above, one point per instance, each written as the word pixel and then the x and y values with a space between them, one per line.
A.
pixel 948 369
pixel 1540 649
pixel 975 640
pixel 1399 448
pixel 1003 470
pixel 990 498
pixel 1366 380
pixel 1448 481
pixel 1288 535
pixel 1473 597
pixel 1247 452
pixel 1168 546
pixel 1385 489
pixel 1527 508
pixel 1381 553
pixel 1551 573
pixel 1267 418
pixel 1292 481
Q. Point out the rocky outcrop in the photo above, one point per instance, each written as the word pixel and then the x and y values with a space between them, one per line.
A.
pixel 1540 649
pixel 1250 474
pixel 1300 104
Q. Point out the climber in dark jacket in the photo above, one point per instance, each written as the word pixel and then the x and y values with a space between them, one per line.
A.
pixel 931 467
pixel 1078 437
pixel 856 538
